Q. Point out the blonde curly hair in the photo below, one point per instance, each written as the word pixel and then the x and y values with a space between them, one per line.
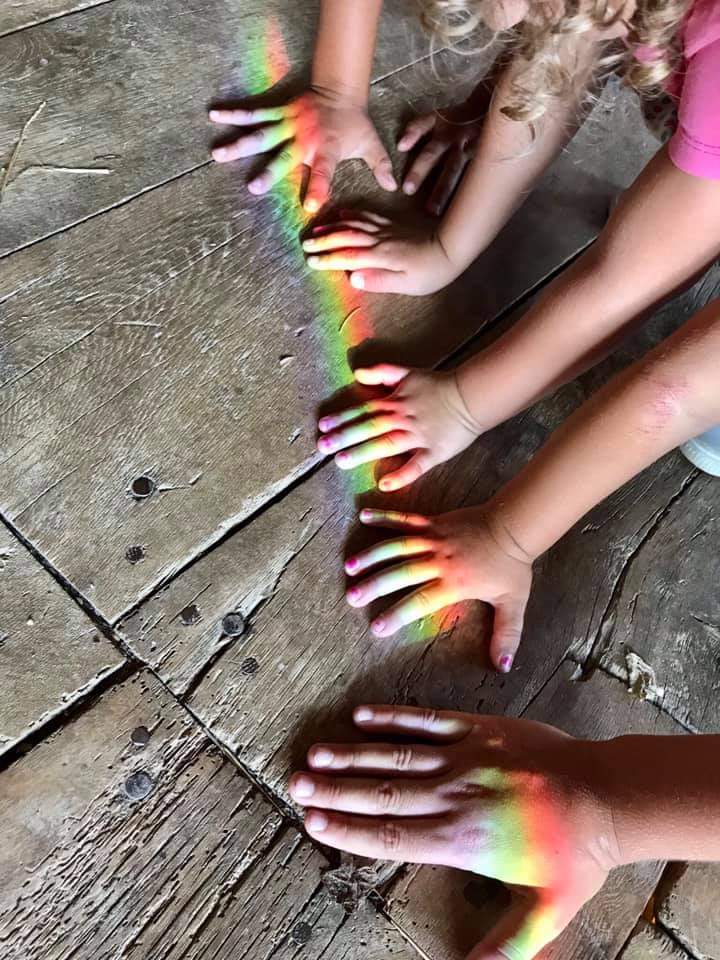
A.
pixel 547 39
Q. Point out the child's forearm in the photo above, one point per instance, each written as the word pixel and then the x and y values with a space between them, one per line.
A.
pixel 656 404
pixel 665 230
pixel 505 168
pixel 664 794
pixel 342 61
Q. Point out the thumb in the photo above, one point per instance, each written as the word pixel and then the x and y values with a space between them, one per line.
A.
pixel 379 281
pixel 523 930
pixel 385 374
pixel 378 159
pixel 507 631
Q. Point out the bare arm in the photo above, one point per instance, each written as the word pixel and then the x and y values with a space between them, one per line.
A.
pixel 667 397
pixel 664 231
pixel 344 48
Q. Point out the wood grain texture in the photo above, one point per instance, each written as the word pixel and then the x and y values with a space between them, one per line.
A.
pixel 447 912
pixel 19 14
pixel 50 651
pixel 119 95
pixel 650 943
pixel 127 834
pixel 687 906
pixel 199 350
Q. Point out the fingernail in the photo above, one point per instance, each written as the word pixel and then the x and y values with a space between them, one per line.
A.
pixel 367 514
pixel 378 626
pixel 385 484
pixel 303 787
pixel 506 662
pixel 341 458
pixel 362 714
pixel 409 188
pixel 357 280
pixel 218 153
pixel 350 564
pixel 308 244
pixel 324 423
pixel 354 593
pixel 312 205
pixel 322 757
pixel 313 261
pixel 316 821
pixel 325 444
pixel 214 114
pixel 256 186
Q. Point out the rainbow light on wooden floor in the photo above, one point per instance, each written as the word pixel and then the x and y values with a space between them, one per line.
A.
pixel 343 321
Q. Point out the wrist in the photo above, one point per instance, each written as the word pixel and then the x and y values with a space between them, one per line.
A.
pixel 337 93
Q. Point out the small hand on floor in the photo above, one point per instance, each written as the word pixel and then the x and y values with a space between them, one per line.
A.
pixel 511 799
pixel 319 129
pixel 461 555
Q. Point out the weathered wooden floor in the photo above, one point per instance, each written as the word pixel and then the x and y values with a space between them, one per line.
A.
pixel 159 332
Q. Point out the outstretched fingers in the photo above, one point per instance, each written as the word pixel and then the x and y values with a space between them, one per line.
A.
pixel 359 431
pixel 394 519
pixel 422 603
pixel 393 796
pixel 444 726
pixel 418 839
pixel 415 130
pixel 374 758
pixel 388 550
pixel 409 573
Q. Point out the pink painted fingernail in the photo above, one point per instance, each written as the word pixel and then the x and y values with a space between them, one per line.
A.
pixel 302 787
pixel 386 484
pixel 350 564
pixel 322 757
pixel 325 444
pixel 341 457
pixel 367 514
pixel 354 593
pixel 316 821
pixel 506 662
pixel 378 626
pixel 363 714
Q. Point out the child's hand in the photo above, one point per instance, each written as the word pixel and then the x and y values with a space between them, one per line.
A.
pixel 505 798
pixel 317 129
pixel 424 415
pixel 381 256
pixel 461 555
pixel 451 140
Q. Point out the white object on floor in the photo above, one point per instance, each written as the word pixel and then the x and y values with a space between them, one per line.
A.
pixel 704 451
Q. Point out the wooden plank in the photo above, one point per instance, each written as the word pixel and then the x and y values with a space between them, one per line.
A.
pixel 648 942
pixel 128 834
pixel 118 96
pixel 447 912
pixel 686 905
pixel 160 339
pixel 19 14
pixel 51 654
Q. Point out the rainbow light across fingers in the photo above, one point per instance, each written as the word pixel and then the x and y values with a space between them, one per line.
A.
pixel 528 847
pixel 343 321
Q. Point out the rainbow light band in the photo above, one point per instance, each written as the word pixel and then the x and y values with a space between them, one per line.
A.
pixel 343 321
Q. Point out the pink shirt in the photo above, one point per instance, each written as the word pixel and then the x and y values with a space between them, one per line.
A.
pixel 695 146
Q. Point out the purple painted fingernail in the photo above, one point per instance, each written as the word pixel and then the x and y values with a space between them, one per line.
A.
pixel 506 662
pixel 351 563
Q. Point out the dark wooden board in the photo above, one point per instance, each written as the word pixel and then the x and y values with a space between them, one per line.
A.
pixel 200 349
pixel 687 906
pixel 120 95
pixel 20 14
pixel 650 943
pixel 51 654
pixel 128 834
pixel 446 912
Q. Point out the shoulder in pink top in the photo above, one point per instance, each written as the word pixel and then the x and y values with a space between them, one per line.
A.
pixel 695 146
